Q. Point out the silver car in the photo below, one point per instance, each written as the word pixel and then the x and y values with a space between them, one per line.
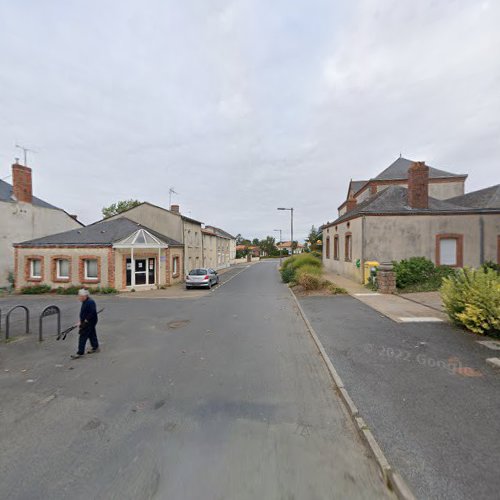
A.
pixel 203 277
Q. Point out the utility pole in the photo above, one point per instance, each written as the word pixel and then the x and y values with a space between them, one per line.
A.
pixel 25 151
pixel 279 230
pixel 291 224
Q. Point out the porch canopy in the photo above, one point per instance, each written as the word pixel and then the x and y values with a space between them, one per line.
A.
pixel 141 239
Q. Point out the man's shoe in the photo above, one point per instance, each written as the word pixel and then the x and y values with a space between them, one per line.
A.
pixel 76 356
pixel 92 351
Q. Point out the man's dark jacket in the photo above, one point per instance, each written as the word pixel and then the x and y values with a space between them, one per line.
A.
pixel 88 314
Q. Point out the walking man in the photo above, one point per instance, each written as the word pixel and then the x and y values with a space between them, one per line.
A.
pixel 88 321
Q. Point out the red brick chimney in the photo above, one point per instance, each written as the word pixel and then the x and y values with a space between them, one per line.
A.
pixel 351 203
pixel 418 185
pixel 175 209
pixel 22 187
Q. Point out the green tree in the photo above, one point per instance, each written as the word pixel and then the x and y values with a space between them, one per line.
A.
pixel 268 246
pixel 255 242
pixel 119 207
pixel 312 239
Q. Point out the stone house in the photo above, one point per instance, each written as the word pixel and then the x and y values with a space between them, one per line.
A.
pixel 172 223
pixel 409 210
pixel 24 216
pixel 225 247
pixel 117 252
pixel 287 246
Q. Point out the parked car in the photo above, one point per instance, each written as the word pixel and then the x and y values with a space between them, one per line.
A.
pixel 203 277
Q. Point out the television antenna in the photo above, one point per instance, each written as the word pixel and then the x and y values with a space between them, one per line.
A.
pixel 171 191
pixel 25 151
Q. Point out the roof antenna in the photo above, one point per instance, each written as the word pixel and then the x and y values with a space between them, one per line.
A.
pixel 25 151
pixel 171 191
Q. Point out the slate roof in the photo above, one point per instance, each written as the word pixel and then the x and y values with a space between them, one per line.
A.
pixel 6 195
pixel 483 198
pixel 394 200
pixel 356 185
pixel 220 232
pixel 104 233
pixel 399 170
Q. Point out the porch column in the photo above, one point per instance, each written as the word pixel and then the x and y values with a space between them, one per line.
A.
pixel 158 283
pixel 132 270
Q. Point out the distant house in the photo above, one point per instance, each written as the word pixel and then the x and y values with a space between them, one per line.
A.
pixel 219 248
pixel 408 210
pixel 287 246
pixel 24 216
pixel 254 250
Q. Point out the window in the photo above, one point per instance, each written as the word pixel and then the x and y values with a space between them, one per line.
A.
pixel 336 247
pixel 449 250
pixel 327 247
pixel 62 268
pixel 175 266
pixel 91 270
pixel 36 268
pixel 348 247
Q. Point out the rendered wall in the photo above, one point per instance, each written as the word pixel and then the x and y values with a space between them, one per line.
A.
pixel 24 221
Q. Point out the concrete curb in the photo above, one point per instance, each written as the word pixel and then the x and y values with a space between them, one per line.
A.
pixel 391 478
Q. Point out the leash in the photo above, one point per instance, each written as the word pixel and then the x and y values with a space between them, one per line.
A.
pixel 64 333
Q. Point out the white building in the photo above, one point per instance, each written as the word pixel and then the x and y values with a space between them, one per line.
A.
pixel 24 217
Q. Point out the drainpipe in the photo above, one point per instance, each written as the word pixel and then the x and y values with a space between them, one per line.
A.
pixel 363 220
pixel 481 241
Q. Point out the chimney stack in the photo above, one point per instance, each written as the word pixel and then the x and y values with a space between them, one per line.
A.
pixel 351 203
pixel 22 187
pixel 175 209
pixel 418 185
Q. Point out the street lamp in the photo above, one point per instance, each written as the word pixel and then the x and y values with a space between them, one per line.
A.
pixel 291 224
pixel 279 231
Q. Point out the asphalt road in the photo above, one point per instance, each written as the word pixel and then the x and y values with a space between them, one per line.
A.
pixel 219 397
pixel 425 391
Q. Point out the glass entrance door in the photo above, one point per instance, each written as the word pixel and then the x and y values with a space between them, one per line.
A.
pixel 144 271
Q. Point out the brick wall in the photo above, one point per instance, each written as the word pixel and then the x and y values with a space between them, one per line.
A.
pixel 22 187
pixel 418 185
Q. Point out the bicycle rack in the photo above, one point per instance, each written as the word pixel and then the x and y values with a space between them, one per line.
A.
pixel 7 320
pixel 49 311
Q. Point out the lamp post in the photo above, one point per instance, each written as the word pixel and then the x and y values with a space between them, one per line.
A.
pixel 279 231
pixel 291 224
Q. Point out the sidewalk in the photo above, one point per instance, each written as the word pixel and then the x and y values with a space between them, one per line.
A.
pixel 396 307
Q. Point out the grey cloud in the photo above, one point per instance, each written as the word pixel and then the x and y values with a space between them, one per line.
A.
pixel 244 106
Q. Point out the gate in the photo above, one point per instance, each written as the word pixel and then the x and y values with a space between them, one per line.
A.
pixel 7 320
pixel 49 311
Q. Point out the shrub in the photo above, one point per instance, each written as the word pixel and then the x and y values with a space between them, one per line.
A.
pixel 309 281
pixel 491 265
pixel 293 264
pixel 297 261
pixel 287 275
pixel 308 269
pixel 472 299
pixel 73 290
pixel 412 271
pixel 70 290
pixel 35 289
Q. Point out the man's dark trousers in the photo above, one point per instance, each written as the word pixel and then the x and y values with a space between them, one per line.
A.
pixel 88 332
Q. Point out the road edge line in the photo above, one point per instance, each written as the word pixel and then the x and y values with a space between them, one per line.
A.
pixel 392 479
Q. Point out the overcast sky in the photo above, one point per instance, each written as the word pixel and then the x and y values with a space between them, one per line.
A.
pixel 244 106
